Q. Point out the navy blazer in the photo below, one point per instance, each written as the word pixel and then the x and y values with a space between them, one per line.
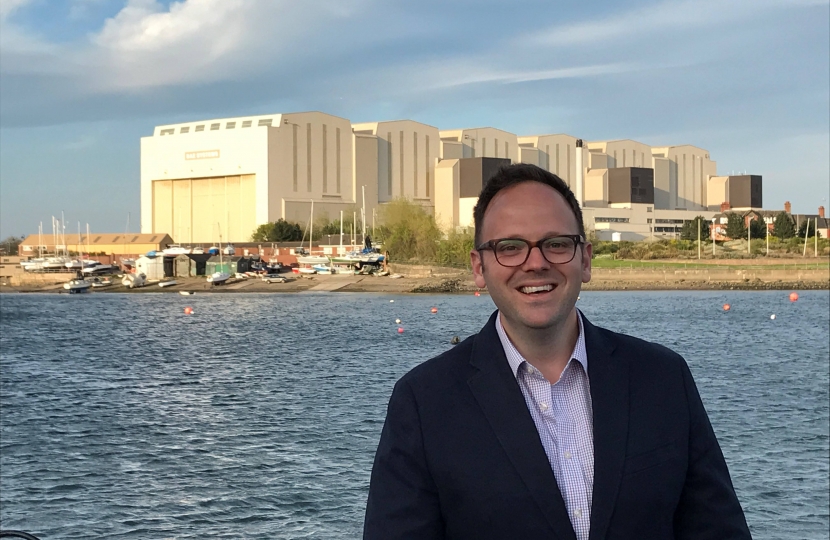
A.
pixel 460 457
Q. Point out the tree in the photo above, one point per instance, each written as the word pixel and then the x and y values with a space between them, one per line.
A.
pixel 783 226
pixel 689 231
pixel 735 228
pixel 9 244
pixel 409 232
pixel 807 228
pixel 758 228
pixel 278 231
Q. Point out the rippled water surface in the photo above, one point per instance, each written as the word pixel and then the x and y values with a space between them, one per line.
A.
pixel 258 416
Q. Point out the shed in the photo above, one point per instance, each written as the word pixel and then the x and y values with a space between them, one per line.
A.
pixel 220 264
pixel 152 267
pixel 181 266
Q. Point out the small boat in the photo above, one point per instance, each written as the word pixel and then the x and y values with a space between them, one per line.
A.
pixel 97 268
pixel 100 282
pixel 186 293
pixel 174 250
pixel 229 250
pixel 167 283
pixel 320 269
pixel 197 251
pixel 306 270
pixel 77 285
pixel 133 281
pixel 218 278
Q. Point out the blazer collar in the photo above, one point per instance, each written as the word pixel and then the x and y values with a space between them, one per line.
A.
pixel 500 398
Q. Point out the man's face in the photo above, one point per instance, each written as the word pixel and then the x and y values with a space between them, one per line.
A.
pixel 531 211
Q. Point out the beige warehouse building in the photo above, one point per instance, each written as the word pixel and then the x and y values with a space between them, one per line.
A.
pixel 485 142
pixel 227 176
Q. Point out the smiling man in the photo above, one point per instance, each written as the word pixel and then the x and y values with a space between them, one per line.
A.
pixel 543 426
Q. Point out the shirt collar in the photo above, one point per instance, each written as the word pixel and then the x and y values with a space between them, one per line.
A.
pixel 515 358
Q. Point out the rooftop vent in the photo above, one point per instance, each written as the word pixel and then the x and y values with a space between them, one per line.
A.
pixel 200 128
pixel 214 127
pixel 264 122
pixel 230 125
pixel 247 123
pixel 185 130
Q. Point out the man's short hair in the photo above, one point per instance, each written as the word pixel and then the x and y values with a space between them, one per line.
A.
pixel 511 175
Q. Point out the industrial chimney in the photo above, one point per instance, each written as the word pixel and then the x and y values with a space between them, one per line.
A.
pixel 788 207
pixel 579 173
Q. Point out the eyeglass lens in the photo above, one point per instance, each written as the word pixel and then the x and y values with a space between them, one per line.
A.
pixel 515 251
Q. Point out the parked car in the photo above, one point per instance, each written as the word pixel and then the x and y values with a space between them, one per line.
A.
pixel 273 278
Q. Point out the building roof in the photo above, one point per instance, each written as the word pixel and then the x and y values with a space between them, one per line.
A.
pixel 101 239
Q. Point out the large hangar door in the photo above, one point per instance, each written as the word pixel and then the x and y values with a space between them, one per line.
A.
pixel 197 210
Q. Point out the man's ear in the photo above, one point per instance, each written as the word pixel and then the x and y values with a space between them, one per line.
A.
pixel 478 268
pixel 587 255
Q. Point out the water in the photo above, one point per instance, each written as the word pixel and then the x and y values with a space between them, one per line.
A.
pixel 259 415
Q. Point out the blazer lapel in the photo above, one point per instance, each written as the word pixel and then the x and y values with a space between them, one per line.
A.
pixel 499 396
pixel 608 376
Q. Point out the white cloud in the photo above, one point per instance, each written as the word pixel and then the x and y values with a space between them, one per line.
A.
pixel 669 15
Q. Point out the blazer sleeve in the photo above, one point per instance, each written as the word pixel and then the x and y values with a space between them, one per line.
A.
pixel 709 507
pixel 403 499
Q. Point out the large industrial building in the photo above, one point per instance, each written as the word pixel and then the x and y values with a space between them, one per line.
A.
pixel 206 180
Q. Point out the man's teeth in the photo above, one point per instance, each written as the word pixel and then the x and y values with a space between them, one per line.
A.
pixel 529 290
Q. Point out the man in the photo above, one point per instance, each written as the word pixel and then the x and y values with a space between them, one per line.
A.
pixel 543 425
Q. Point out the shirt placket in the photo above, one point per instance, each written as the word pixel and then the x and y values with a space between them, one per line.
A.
pixel 569 452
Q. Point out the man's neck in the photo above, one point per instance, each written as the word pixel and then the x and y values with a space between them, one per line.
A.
pixel 549 349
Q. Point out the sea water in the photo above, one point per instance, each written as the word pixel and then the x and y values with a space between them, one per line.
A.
pixel 258 415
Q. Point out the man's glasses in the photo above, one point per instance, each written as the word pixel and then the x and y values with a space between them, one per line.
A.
pixel 513 252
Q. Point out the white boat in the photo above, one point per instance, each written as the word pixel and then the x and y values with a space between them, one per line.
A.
pixel 97 268
pixel 55 263
pixel 167 283
pixel 133 281
pixel 197 250
pixel 218 278
pixel 186 293
pixel 77 285
pixel 229 250
pixel 100 282
pixel 306 270
pixel 313 260
pixel 173 250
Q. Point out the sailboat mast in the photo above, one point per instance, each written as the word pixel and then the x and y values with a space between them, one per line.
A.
pixel 311 228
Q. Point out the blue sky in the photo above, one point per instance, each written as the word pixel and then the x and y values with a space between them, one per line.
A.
pixel 82 80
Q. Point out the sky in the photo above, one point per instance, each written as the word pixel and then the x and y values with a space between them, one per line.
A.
pixel 81 81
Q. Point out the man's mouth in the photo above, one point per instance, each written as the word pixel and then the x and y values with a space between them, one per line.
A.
pixel 537 289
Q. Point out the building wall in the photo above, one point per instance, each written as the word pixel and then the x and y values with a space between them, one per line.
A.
pixel 689 172
pixel 596 188
pixel 623 153
pixel 638 221
pixel 557 154
pixel 407 152
pixel 483 142
pixel 447 193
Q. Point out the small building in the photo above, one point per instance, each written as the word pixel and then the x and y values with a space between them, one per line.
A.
pixel 95 243
pixel 152 267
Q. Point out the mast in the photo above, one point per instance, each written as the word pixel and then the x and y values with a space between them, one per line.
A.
pixel 340 252
pixel 311 228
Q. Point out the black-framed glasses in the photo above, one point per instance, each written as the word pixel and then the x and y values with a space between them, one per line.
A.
pixel 513 252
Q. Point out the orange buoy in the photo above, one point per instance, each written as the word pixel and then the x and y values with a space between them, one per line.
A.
pixel 400 330
pixel 477 293
pixel 188 310
pixel 727 307
pixel 793 296
pixel 434 310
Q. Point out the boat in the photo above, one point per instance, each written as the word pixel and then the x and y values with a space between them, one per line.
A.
pixel 174 250
pixel 229 250
pixel 77 285
pixel 197 251
pixel 186 293
pixel 322 269
pixel 218 278
pixel 133 281
pixel 313 260
pixel 169 283
pixel 97 268
pixel 98 283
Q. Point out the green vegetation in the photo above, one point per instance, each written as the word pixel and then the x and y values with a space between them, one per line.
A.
pixel 735 227
pixel 9 245
pixel 278 231
pixel 783 226
pixel 690 229
pixel 807 228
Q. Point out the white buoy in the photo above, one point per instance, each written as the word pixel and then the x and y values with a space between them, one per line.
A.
pixel 772 316
pixel 391 301
pixel 397 321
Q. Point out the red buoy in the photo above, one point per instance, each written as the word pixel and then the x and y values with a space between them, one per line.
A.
pixel 477 293
pixel 400 330
pixel 727 307
pixel 793 296
pixel 434 310
pixel 188 310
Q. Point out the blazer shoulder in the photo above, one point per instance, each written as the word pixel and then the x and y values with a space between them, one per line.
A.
pixel 446 365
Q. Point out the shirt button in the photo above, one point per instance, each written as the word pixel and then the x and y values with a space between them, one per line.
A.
pixel 568 455
pixel 578 513
pixel 528 368
pixel 543 406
